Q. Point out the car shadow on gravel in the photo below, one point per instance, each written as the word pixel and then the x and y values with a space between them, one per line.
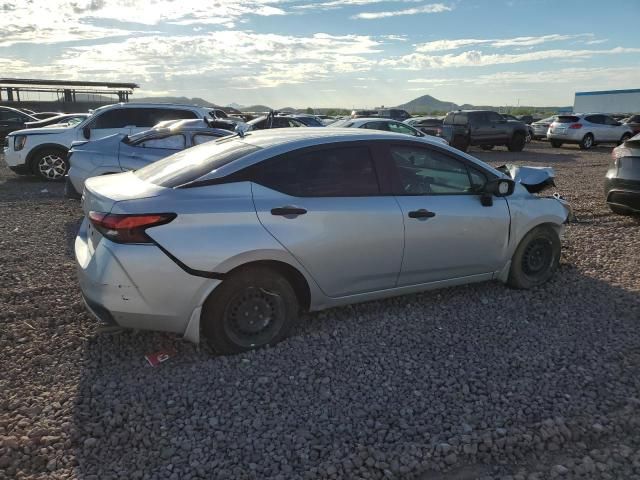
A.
pixel 70 231
pixel 440 385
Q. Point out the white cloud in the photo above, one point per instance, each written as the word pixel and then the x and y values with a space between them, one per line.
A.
pixel 49 21
pixel 431 8
pixel 444 45
pixel 476 58
pixel 333 4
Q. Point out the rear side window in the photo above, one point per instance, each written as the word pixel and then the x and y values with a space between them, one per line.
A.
pixel 170 142
pixel 331 172
pixel 199 138
pixel 598 119
pixel 400 128
pixel 118 118
pixel 566 119
pixel 191 164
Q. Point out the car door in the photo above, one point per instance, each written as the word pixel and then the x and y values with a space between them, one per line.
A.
pixel 144 152
pixel 325 206
pixel 597 127
pixel 614 129
pixel 448 232
pixel 499 128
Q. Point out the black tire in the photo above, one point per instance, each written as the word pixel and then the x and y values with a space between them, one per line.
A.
pixel 226 321
pixel 486 147
pixel 536 259
pixel 624 138
pixel 461 143
pixel 70 191
pixel 587 142
pixel 50 164
pixel 517 142
pixel 618 210
pixel 556 143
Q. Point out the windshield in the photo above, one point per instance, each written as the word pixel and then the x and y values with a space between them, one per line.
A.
pixel 191 164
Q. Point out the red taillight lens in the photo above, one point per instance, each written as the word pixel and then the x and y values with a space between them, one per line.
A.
pixel 575 126
pixel 122 228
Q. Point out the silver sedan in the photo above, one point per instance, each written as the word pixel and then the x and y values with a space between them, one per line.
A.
pixel 230 240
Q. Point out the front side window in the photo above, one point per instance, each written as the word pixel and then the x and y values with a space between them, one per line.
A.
pixel 331 172
pixel 171 142
pixel 494 117
pixel 118 118
pixel 423 171
pixel 399 128
pixel 10 116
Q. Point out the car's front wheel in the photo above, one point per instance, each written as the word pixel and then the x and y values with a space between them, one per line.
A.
pixel 624 138
pixel 254 307
pixel 50 164
pixel 536 259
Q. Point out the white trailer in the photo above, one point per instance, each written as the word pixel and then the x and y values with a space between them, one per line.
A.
pixel 608 101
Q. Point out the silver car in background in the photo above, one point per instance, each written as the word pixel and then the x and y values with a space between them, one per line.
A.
pixel 385 125
pixel 587 130
pixel 232 239
pixel 120 152
pixel 541 127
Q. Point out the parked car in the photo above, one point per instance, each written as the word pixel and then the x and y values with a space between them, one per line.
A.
pixel 485 128
pixel 45 115
pixel 231 239
pixel 622 182
pixel 273 121
pixel 12 119
pixel 43 151
pixel 308 120
pixel 65 118
pixel 428 125
pixel 386 125
pixel 364 113
pixel 541 127
pixel 587 130
pixel 511 118
pixel 121 152
pixel 633 122
pixel 394 114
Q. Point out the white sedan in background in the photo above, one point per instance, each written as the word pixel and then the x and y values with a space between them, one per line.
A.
pixel 386 125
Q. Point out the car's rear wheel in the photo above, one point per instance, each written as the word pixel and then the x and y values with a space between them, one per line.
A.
pixel 50 164
pixel 461 143
pixel 624 138
pixel 536 259
pixel 587 142
pixel 517 143
pixel 252 308
pixel 486 147
pixel 556 143
pixel 618 210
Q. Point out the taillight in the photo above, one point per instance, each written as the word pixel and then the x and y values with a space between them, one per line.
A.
pixel 123 228
pixel 438 132
pixel 575 126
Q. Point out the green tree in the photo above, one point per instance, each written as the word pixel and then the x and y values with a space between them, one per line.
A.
pixel 310 110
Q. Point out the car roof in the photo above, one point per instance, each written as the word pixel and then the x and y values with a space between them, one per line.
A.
pixel 152 105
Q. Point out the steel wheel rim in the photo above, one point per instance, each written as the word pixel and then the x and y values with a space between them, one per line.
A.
pixel 52 167
pixel 254 316
pixel 537 257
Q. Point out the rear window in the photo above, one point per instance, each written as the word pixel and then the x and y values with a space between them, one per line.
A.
pixel 193 163
pixel 566 119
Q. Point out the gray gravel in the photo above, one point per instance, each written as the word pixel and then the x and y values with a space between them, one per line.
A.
pixel 470 382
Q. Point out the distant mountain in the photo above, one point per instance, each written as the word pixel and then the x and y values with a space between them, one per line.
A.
pixel 427 104
pixel 256 108
pixel 237 106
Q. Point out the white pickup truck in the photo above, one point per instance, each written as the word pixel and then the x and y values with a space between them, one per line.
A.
pixel 43 151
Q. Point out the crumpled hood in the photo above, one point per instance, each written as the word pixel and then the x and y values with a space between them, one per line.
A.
pixel 534 179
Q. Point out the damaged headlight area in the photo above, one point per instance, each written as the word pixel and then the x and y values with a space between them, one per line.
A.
pixel 534 179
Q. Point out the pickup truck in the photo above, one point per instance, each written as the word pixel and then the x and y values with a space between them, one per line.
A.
pixel 483 128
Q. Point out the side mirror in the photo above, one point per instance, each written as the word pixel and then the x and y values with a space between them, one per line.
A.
pixel 86 132
pixel 499 187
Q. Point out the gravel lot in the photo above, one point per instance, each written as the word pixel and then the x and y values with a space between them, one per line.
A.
pixel 464 383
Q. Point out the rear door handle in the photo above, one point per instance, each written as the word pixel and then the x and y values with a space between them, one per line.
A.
pixel 288 210
pixel 422 213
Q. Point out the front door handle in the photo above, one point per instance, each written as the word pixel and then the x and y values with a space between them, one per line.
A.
pixel 422 213
pixel 288 210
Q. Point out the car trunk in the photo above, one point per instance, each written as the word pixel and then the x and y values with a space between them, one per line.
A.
pixel 102 193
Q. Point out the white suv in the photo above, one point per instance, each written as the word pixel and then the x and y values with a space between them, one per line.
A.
pixel 43 151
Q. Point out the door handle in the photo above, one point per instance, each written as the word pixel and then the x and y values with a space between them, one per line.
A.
pixel 288 210
pixel 422 213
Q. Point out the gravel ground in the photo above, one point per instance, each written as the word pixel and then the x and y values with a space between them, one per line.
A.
pixel 469 382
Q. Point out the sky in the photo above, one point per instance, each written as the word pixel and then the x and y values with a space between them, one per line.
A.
pixel 330 53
